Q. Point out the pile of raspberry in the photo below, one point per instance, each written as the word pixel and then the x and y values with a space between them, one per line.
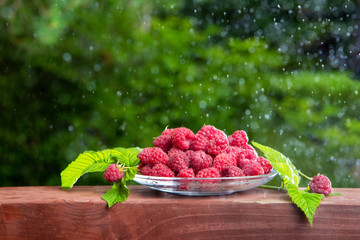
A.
pixel 209 153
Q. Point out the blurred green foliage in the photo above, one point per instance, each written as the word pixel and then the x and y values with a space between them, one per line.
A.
pixel 81 75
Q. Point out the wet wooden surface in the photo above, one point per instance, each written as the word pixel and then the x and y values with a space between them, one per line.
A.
pixel 53 213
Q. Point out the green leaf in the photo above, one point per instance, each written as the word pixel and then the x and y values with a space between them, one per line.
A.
pixel 127 156
pixel 86 162
pixel 307 202
pixel 281 163
pixel 118 193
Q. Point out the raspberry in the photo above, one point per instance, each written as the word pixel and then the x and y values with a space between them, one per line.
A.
pixel 242 161
pixel 153 156
pixel 163 142
pixel 217 143
pixel 174 150
pixel 265 164
pixel 238 138
pixel 178 161
pixel 181 138
pixel 200 160
pixel 113 174
pixel 167 131
pixel 233 149
pixel 187 173
pixel 223 161
pixel 217 139
pixel 161 170
pixel 199 143
pixel 145 170
pixel 210 172
pixel 249 154
pixel 248 147
pixel 189 153
pixel 234 172
pixel 207 131
pixel 320 184
pixel 252 169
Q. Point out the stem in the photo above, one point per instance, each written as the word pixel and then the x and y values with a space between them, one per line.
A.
pixel 271 187
pixel 305 175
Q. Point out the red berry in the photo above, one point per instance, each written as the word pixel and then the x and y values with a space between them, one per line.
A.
pixel 161 170
pixel 145 169
pixel 320 184
pixel 207 131
pixel 252 169
pixel 113 174
pixel 163 142
pixel 233 149
pixel 265 164
pixel 200 160
pixel 238 138
pixel 153 156
pixel 167 131
pixel 186 173
pixel 208 173
pixel 199 143
pixel 174 150
pixel 178 161
pixel 242 161
pixel 181 138
pixel 234 172
pixel 223 161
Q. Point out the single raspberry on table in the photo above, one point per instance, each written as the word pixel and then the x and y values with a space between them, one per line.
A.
pixel 265 164
pixel 239 138
pixel 181 138
pixel 253 169
pixel 186 173
pixel 153 156
pixel 200 160
pixel 113 174
pixel 178 161
pixel 164 142
pixel 145 169
pixel 199 143
pixel 223 161
pixel 320 184
pixel 234 172
pixel 161 170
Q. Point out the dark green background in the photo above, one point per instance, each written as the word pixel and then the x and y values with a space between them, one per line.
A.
pixel 89 75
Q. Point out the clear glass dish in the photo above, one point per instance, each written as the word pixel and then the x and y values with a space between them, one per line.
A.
pixel 204 186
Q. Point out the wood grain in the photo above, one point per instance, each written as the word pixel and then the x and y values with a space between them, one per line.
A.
pixel 53 213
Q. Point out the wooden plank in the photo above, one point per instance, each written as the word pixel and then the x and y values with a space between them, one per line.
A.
pixel 53 213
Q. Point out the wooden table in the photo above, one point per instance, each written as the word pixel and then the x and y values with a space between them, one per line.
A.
pixel 53 213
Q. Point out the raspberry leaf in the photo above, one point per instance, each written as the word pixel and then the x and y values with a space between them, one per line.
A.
pixel 118 193
pixel 127 156
pixel 306 201
pixel 281 163
pixel 86 162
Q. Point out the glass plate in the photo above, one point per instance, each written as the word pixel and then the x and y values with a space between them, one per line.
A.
pixel 204 186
